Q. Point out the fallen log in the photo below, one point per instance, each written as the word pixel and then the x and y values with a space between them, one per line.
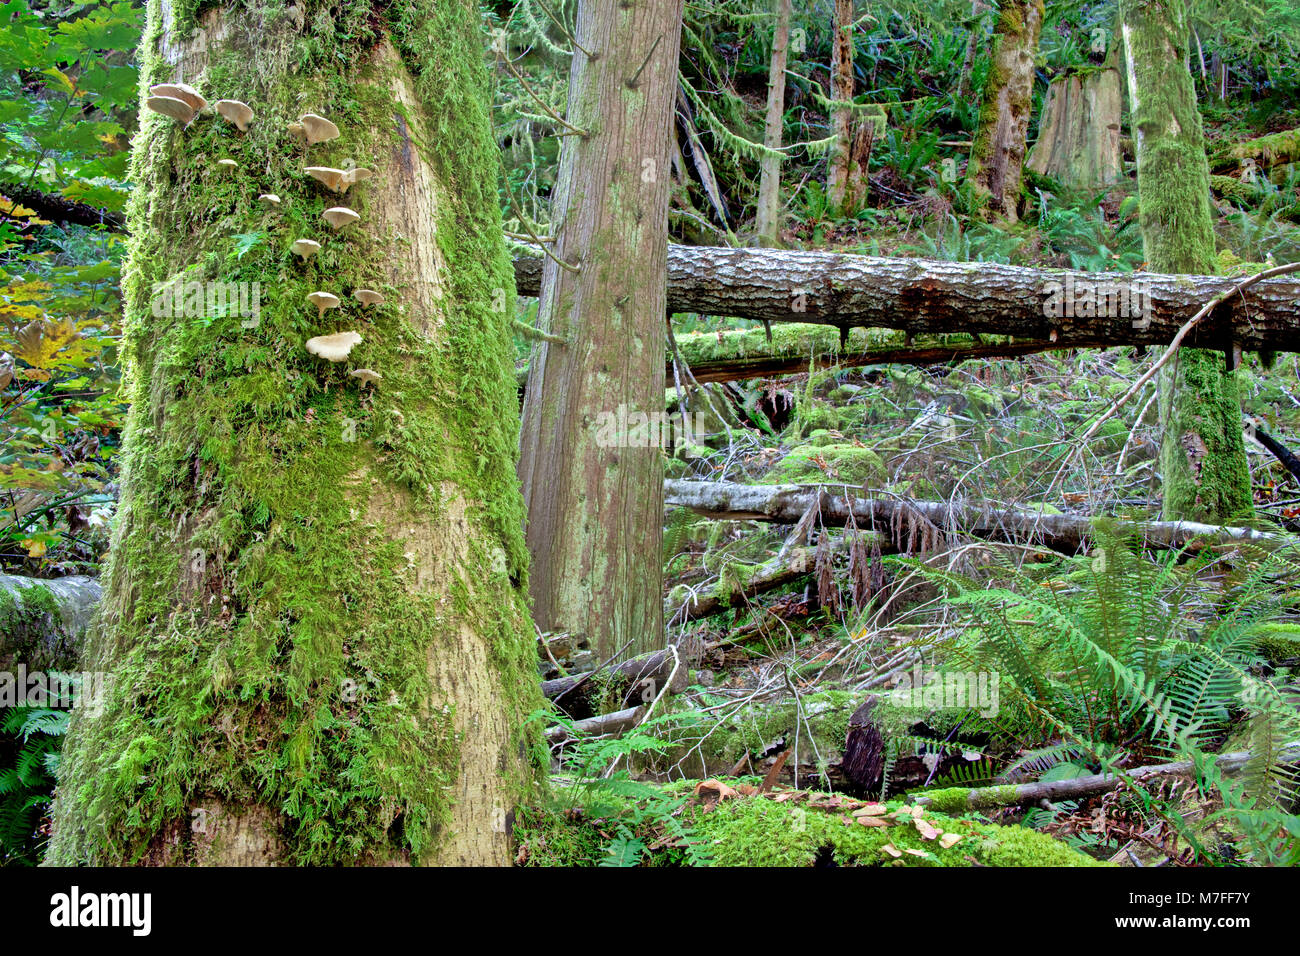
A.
pixel 42 620
pixel 984 798
pixel 1068 534
pixel 640 678
pixel 614 723
pixel 925 296
pixel 780 571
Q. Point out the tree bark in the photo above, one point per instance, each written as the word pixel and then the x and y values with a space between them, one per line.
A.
pixel 998 152
pixel 768 218
pixel 314 621
pixel 837 174
pixel 1078 137
pixel 592 496
pixel 1069 534
pixel 1202 454
pixel 924 296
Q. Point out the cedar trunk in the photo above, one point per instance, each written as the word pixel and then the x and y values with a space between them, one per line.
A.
pixel 1202 455
pixel 837 176
pixel 768 218
pixel 593 491
pixel 315 621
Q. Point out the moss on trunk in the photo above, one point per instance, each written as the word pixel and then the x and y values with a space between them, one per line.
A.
pixel 1202 456
pixel 315 616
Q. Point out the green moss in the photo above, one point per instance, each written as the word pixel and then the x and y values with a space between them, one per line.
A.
pixel 270 643
pixel 756 831
pixel 31 631
pixel 1279 641
pixel 847 463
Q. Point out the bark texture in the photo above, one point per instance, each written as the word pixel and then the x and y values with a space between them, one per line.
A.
pixel 593 499
pixel 998 153
pixel 1202 454
pixel 314 625
pixel 768 217
pixel 1078 136
pixel 837 174
pixel 927 296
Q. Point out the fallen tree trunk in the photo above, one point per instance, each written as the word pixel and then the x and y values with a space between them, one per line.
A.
pixel 924 296
pixel 42 620
pixel 1069 534
pixel 769 576
pixel 640 678
pixel 985 798
pixel 614 723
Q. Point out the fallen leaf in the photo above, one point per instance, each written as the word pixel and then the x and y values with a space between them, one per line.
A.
pixel 949 840
pixel 918 853
pixel 927 832
pixel 874 822
pixel 889 848
pixel 872 810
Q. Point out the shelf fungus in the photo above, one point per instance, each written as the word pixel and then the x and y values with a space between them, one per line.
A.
pixel 241 114
pixel 333 348
pixel 332 178
pixel 271 199
pixel 323 301
pixel 226 165
pixel 172 107
pixel 340 216
pixel 366 375
pixel 180 91
pixel 353 176
pixel 317 128
pixel 368 297
pixel 305 248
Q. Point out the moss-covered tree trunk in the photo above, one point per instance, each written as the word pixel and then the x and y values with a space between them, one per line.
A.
pixel 837 174
pixel 1202 454
pixel 998 152
pixel 315 620
pixel 593 479
pixel 768 216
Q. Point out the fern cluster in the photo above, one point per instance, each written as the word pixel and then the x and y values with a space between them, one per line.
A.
pixel 29 747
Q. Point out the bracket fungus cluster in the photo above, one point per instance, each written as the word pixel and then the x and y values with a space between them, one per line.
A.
pixel 178 101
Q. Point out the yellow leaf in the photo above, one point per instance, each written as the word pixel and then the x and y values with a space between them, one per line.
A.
pixel 35 549
pixel 39 341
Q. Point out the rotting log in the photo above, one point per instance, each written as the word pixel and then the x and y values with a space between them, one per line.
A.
pixel 926 296
pixel 638 679
pixel 1069 534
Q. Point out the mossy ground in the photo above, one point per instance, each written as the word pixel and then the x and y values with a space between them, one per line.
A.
pixel 759 831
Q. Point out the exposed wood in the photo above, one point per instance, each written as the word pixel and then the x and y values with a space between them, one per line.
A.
pixel 987 798
pixel 926 296
pixel 786 504
pixel 1078 138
